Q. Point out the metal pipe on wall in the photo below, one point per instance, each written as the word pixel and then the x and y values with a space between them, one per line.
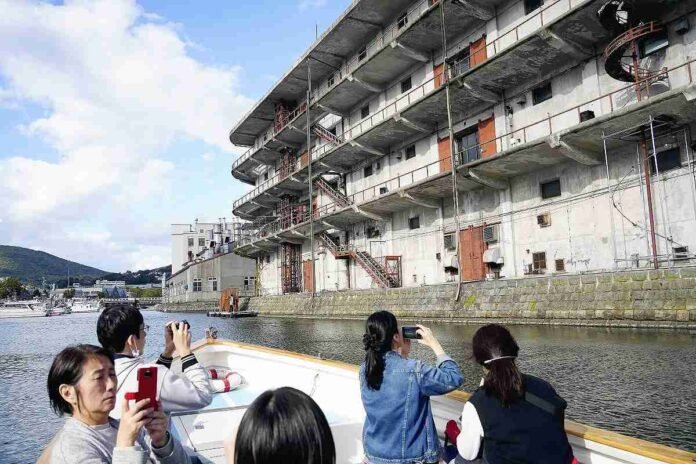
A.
pixel 309 169
pixel 453 165
pixel 611 202
pixel 648 187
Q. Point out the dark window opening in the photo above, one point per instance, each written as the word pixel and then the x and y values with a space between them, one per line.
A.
pixel 364 111
pixel 467 145
pixel 383 190
pixel 681 252
pixel 331 80
pixel 539 262
pixel 410 152
pixel 666 161
pixel 265 175
pixel 551 189
pixel 544 220
pixel 654 43
pixel 462 62
pixel 414 223
pixel 402 21
pixel 333 130
pixel 450 244
pixel 372 232
pixel 542 93
pixel 197 285
pixel 560 265
pixel 406 84
pixel 367 172
pixel 190 242
pixel 201 242
pixel 362 54
pixel 532 5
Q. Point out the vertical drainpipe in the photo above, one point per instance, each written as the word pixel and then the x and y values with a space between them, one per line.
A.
pixel 687 138
pixel 648 187
pixel 453 165
pixel 309 169
pixel 642 202
pixel 611 202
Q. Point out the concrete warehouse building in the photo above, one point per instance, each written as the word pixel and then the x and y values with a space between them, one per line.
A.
pixel 473 139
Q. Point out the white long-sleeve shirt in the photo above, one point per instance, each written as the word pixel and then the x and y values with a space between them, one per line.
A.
pixel 469 439
pixel 186 392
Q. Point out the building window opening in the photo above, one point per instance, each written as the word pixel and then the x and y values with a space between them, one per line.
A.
pixel 467 143
pixel 532 5
pixel 410 152
pixel 201 242
pixel 681 252
pixel 190 242
pixel 542 93
pixel 362 54
pixel 406 84
pixel 383 190
pixel 462 62
pixel 402 21
pixel 212 284
pixel 364 111
pixel 332 130
pixel 551 189
pixel 653 44
pixel 197 285
pixel 544 220
pixel 372 232
pixel 331 80
pixel 249 283
pixel 265 175
pixel 367 171
pixel 560 265
pixel 414 223
pixel 539 263
pixel 665 161
pixel 449 242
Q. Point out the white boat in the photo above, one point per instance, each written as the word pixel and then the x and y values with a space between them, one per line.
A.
pixel 335 387
pixel 32 308
pixel 84 306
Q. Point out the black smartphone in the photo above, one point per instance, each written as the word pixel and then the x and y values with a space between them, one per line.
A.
pixel 410 332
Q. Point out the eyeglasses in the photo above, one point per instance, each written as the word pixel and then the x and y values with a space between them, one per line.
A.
pixel 146 329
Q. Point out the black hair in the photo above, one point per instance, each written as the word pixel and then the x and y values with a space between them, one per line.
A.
pixel 380 329
pixel 284 426
pixel 116 324
pixel 67 369
pixel 504 380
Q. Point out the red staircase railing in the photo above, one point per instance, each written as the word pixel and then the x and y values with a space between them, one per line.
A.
pixel 326 135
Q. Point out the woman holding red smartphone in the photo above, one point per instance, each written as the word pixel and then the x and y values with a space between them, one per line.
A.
pixel 82 384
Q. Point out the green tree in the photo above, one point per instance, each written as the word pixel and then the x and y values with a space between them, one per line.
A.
pixel 69 293
pixel 100 295
pixel 11 287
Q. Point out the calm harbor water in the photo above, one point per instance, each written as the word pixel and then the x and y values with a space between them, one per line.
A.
pixel 637 382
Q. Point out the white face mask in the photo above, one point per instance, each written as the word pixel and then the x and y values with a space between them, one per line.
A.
pixel 135 352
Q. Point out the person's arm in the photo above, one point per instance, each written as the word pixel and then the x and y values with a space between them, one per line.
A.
pixel 445 376
pixel 191 390
pixel 469 439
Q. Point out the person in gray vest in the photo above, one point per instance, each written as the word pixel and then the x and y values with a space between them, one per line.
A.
pixel 512 417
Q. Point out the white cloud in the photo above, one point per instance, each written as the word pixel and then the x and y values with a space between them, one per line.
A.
pixel 118 88
pixel 305 5
pixel 209 156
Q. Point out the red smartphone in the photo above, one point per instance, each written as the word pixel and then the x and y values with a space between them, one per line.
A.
pixel 147 387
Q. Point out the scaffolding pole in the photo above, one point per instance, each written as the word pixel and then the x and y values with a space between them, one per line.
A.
pixel 648 189
pixel 453 165
pixel 309 169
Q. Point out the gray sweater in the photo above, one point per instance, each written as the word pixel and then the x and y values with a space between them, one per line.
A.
pixel 81 443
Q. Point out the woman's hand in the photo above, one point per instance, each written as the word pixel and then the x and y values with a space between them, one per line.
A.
pixel 132 421
pixel 157 428
pixel 428 339
pixel 168 340
pixel 181 338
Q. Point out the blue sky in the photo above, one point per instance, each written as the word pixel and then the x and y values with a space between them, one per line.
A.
pixel 114 116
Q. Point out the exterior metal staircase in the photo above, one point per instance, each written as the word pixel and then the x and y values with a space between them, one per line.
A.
pixel 368 263
pixel 339 198
pixel 326 135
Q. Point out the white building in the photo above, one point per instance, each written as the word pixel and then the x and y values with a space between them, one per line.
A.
pixel 569 124
pixel 190 241
pixel 110 283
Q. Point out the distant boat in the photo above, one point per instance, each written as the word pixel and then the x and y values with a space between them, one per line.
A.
pixel 84 306
pixel 31 308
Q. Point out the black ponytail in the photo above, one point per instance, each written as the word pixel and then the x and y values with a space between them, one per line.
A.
pixel 496 349
pixel 380 329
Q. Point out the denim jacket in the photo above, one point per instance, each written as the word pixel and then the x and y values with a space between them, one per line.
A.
pixel 399 426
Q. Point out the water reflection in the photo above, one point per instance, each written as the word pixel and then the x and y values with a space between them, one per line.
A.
pixel 638 382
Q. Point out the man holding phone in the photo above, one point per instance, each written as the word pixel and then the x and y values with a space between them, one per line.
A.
pixel 122 331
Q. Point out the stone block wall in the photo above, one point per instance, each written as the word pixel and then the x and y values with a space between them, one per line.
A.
pixel 664 298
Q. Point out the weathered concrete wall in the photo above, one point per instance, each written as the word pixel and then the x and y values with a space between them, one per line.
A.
pixel 665 298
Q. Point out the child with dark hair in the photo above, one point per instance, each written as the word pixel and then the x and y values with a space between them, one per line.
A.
pixel 121 330
pixel 283 426
pixel 82 384
pixel 518 417
pixel 396 391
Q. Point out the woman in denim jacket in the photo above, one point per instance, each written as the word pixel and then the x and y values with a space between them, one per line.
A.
pixel 395 391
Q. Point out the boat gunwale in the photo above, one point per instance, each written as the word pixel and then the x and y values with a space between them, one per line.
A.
pixel 644 448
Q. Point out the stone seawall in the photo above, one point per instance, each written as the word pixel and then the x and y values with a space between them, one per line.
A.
pixel 664 298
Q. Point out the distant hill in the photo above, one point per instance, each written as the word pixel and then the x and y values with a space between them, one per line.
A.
pixel 146 276
pixel 31 265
